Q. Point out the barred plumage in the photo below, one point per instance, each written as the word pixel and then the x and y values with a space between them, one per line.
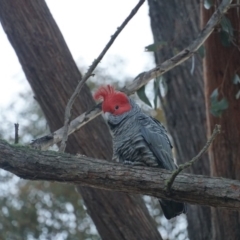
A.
pixel 139 139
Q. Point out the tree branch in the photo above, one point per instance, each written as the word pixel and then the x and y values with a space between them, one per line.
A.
pixel 234 5
pixel 89 73
pixel 53 166
pixel 16 127
pixel 143 78
pixel 181 167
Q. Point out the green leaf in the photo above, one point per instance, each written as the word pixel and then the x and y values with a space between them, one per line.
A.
pixel 214 95
pixel 155 46
pixel 164 85
pixel 217 107
pixel 225 40
pixel 193 65
pixel 237 95
pixel 208 4
pixel 236 79
pixel 142 95
pixel 156 88
pixel 201 51
pixel 226 33
pixel 226 25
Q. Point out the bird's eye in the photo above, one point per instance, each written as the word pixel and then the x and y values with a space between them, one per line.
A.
pixel 116 107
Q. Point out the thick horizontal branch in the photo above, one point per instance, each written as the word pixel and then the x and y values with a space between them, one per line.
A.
pixel 143 78
pixel 52 166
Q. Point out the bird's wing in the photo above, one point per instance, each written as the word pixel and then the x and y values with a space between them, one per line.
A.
pixel 156 137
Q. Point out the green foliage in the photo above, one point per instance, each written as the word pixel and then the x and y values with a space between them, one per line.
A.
pixel 43 210
pixel 155 46
pixel 142 95
pixel 226 33
pixel 156 89
pixel 208 4
pixel 236 81
pixel 159 86
pixel 217 106
pixel 201 51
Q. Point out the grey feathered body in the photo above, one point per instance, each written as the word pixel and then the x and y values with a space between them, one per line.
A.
pixel 139 139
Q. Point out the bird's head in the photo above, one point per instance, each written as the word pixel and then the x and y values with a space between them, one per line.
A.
pixel 115 104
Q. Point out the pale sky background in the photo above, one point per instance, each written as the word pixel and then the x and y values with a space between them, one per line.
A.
pixel 86 27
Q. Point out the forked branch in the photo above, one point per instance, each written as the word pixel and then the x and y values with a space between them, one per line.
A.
pixel 89 73
pixel 181 167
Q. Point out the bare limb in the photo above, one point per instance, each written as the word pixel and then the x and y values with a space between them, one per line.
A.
pixel 54 166
pixel 16 126
pixel 182 56
pixel 141 79
pixel 234 5
pixel 89 73
pixel 181 167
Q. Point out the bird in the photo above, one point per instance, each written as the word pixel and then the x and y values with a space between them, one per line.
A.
pixel 138 139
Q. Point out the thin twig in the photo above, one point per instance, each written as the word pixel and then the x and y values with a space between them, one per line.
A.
pixel 142 79
pixel 89 73
pixel 16 126
pixel 234 5
pixel 181 167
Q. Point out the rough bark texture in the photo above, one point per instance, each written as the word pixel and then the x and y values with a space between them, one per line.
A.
pixel 52 166
pixel 53 75
pixel 177 23
pixel 220 65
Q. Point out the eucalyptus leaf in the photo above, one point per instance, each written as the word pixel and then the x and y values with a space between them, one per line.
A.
pixel 156 88
pixel 214 95
pixel 238 95
pixel 224 37
pixel 142 95
pixel 226 33
pixel 193 65
pixel 201 51
pixel 236 79
pixel 208 4
pixel 163 85
pixel 217 106
pixel 155 46
pixel 226 25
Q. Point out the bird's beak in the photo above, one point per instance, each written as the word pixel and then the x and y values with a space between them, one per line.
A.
pixel 106 115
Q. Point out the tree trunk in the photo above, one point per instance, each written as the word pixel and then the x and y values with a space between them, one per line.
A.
pixel 53 76
pixel 220 65
pixel 174 25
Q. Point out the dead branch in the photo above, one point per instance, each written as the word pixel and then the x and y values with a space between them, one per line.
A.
pixel 89 73
pixel 16 127
pixel 181 167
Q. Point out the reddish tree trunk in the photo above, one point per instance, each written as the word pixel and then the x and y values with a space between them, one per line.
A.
pixel 176 23
pixel 53 76
pixel 220 65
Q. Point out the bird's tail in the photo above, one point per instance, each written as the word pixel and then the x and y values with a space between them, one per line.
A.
pixel 172 209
